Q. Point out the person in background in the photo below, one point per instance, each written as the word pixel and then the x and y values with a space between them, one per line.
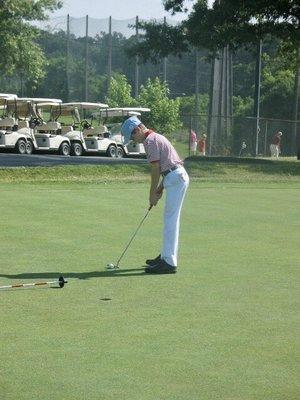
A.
pixel 167 173
pixel 193 143
pixel 202 145
pixel 275 145
pixel 243 147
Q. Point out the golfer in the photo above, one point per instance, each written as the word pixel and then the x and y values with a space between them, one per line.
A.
pixel 275 145
pixel 164 162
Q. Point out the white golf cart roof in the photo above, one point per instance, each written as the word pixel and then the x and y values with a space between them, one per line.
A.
pixel 5 97
pixel 123 111
pixel 40 101
pixel 21 107
pixel 8 96
pixel 84 105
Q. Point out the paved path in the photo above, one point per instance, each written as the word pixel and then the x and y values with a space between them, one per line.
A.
pixel 48 160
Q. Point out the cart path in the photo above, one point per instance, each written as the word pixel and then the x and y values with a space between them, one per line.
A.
pixel 48 160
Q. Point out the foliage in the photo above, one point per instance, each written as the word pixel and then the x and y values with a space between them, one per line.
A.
pixel 188 104
pixel 237 23
pixel 18 50
pixel 242 106
pixel 164 116
pixel 119 92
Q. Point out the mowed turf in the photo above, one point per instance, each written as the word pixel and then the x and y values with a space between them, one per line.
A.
pixel 224 327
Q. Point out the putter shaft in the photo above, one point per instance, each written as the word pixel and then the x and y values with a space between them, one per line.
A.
pixel 133 236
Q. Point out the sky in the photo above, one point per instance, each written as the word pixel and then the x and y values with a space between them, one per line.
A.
pixel 117 9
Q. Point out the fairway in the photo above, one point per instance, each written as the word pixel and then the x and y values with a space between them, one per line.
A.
pixel 224 327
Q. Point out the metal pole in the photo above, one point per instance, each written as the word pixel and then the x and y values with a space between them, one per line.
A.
pixel 210 129
pixel 68 58
pixel 165 60
pixel 86 57
pixel 221 100
pixel 296 137
pixel 257 94
pixel 189 141
pixel 266 136
pixel 197 92
pixel 230 67
pixel 109 55
pixel 136 78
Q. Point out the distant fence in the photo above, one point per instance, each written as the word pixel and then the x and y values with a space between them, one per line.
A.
pixel 237 136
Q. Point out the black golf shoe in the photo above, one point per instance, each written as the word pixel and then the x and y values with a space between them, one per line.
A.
pixel 162 267
pixel 154 261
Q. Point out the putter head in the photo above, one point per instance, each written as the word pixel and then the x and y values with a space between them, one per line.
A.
pixel 62 281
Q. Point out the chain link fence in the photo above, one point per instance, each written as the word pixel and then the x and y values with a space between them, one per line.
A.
pixel 237 136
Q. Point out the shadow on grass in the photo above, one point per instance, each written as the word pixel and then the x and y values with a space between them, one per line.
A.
pixel 78 275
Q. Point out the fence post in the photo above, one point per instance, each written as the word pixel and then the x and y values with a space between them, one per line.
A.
pixel 257 93
pixel 296 137
pixel 189 138
pixel 197 92
pixel 266 136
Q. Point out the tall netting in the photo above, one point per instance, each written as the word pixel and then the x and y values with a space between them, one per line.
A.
pixel 92 51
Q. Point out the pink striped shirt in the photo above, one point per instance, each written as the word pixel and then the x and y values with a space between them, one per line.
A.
pixel 159 149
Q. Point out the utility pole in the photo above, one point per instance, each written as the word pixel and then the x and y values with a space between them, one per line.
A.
pixel 68 58
pixel 86 57
pixel 136 75
pixel 197 92
pixel 109 55
pixel 165 60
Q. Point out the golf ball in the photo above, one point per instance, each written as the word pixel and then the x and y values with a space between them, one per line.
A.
pixel 110 266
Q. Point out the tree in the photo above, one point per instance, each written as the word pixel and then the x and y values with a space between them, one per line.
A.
pixel 18 50
pixel 228 22
pixel 119 92
pixel 164 116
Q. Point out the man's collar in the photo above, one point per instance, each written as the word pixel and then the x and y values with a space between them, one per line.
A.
pixel 147 133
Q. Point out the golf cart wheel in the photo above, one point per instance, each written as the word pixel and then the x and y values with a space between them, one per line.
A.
pixel 120 152
pixel 64 149
pixel 21 146
pixel 76 149
pixel 112 151
pixel 29 147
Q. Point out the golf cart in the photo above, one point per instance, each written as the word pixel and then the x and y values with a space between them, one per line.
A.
pixel 83 134
pixel 46 136
pixel 120 114
pixel 10 137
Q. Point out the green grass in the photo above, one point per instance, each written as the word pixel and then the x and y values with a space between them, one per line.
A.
pixel 224 327
pixel 203 169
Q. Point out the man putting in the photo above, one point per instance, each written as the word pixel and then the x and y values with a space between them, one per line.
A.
pixel 164 161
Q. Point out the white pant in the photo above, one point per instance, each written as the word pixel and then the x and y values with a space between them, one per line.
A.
pixel 175 184
pixel 274 150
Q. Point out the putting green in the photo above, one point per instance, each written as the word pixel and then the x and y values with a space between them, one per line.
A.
pixel 223 327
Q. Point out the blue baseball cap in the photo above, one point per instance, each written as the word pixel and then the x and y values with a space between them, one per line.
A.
pixel 128 127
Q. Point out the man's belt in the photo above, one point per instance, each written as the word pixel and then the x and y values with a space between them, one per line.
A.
pixel 165 173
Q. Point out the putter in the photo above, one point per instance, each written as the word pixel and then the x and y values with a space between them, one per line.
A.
pixel 60 282
pixel 112 266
